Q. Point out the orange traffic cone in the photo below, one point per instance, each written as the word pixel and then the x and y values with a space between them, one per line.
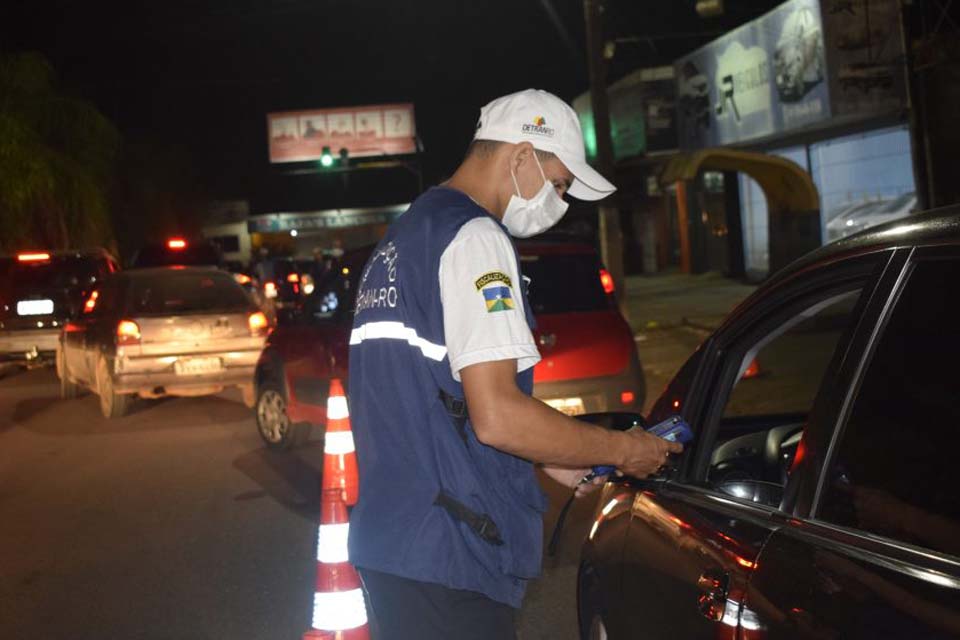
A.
pixel 339 453
pixel 339 612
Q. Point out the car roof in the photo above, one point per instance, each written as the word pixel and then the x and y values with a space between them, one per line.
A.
pixel 63 253
pixel 152 272
pixel 936 227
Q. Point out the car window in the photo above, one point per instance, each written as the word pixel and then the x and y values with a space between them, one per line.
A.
pixel 895 472
pixel 57 273
pixel 564 283
pixel 782 372
pixel 778 378
pixel 177 293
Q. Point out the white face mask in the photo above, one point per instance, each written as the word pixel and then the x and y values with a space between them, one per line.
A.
pixel 524 218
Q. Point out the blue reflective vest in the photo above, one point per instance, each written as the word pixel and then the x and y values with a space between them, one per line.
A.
pixel 409 449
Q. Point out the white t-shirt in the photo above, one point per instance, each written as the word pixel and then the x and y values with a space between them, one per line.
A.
pixel 483 313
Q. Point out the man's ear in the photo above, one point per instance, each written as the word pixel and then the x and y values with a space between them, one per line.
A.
pixel 520 154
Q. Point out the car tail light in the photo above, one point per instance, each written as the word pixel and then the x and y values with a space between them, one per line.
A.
pixel 607 281
pixel 293 277
pixel 258 323
pixel 128 333
pixel 242 278
pixel 176 244
pixel 33 257
pixel 270 289
pixel 753 370
pixel 91 302
pixel 627 398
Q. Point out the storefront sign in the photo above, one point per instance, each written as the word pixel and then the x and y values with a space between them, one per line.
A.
pixel 329 219
pixel 767 77
pixel 300 136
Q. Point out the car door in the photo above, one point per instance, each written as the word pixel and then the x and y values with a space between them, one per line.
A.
pixel 878 556
pixel 314 345
pixel 695 540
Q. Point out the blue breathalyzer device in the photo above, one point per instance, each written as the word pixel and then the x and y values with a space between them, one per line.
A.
pixel 674 429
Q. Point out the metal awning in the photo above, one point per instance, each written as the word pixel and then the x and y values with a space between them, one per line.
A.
pixel 787 186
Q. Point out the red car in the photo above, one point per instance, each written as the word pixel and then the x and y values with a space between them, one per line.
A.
pixel 589 360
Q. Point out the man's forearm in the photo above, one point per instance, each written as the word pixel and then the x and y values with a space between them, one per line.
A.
pixel 525 427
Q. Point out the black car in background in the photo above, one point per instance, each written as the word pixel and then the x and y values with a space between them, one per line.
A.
pixel 178 252
pixel 39 292
pixel 819 498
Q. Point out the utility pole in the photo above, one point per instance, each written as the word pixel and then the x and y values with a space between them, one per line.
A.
pixel 611 236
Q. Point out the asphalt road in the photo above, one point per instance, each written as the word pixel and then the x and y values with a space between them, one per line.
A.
pixel 174 522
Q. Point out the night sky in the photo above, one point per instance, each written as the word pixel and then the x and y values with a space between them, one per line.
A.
pixel 202 75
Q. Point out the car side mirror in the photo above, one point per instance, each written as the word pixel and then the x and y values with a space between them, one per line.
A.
pixel 614 420
pixel 766 493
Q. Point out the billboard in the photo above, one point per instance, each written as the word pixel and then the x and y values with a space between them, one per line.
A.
pixel 767 77
pixel 378 130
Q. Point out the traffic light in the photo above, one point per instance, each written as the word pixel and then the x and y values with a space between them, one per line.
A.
pixel 326 158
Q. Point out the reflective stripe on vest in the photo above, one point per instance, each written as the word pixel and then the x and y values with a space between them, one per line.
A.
pixel 397 331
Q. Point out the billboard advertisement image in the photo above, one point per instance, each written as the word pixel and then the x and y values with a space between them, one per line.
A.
pixel 300 136
pixel 767 77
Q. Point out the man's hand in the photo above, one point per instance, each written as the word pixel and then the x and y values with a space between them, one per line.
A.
pixel 570 478
pixel 643 454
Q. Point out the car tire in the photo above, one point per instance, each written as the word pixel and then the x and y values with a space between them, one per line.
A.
pixel 68 388
pixel 276 429
pixel 112 404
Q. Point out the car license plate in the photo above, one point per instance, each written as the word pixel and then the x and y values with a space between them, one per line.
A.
pixel 34 307
pixel 197 366
pixel 569 406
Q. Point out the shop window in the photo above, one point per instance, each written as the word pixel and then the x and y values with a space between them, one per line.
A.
pixel 864 180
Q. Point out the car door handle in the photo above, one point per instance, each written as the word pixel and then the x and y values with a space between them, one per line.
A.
pixel 713 585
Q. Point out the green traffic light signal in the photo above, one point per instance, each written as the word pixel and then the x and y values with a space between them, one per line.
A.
pixel 326 158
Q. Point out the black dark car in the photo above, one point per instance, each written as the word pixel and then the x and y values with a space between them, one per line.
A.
pixel 39 292
pixel 820 497
pixel 178 252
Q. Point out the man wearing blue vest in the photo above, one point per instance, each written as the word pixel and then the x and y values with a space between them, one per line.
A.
pixel 448 528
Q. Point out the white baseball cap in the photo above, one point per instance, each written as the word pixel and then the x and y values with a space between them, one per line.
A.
pixel 549 124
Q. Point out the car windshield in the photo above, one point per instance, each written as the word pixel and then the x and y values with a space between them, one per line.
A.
pixel 179 293
pixel 57 273
pixel 564 283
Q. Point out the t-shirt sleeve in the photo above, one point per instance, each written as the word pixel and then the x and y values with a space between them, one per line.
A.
pixel 483 313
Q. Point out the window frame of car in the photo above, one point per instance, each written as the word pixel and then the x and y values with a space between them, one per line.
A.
pixel 856 373
pixel 723 354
